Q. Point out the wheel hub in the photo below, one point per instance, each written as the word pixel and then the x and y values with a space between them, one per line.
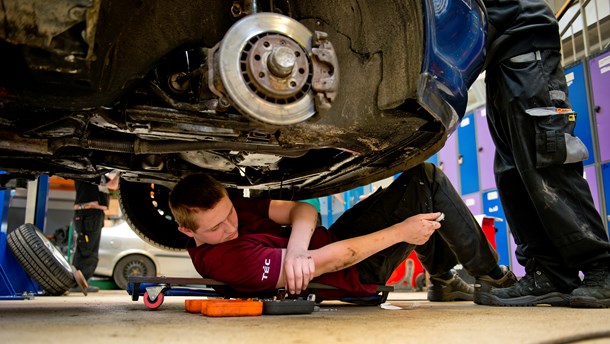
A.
pixel 266 67
pixel 276 68
pixel 135 269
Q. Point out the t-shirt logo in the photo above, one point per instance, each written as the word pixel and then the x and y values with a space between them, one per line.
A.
pixel 266 269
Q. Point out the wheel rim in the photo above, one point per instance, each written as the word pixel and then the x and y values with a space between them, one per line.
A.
pixel 59 257
pixel 135 268
pixel 40 259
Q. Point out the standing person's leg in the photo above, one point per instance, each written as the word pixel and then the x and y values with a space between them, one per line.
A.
pixel 546 200
pixel 513 132
pixel 527 229
pixel 88 224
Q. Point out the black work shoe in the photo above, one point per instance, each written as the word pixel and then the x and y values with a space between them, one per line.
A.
pixel 483 285
pixel 594 292
pixel 531 290
pixel 453 289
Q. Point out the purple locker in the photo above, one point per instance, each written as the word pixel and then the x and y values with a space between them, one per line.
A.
pixel 473 202
pixel 600 85
pixel 518 269
pixel 447 160
pixel 591 178
pixel 486 149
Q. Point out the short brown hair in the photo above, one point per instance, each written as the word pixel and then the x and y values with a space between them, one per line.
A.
pixel 193 193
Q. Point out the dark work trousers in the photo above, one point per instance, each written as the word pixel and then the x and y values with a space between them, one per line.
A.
pixel 422 189
pixel 547 202
pixel 88 224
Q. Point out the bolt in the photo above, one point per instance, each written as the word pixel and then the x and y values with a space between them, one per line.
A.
pixel 77 13
pixel 281 61
pixel 236 9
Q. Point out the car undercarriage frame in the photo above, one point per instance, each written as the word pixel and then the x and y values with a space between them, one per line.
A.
pixel 290 99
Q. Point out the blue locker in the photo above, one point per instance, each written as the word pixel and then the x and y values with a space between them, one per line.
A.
pixel 577 92
pixel 493 208
pixel 468 156
pixel 354 196
pixel 325 212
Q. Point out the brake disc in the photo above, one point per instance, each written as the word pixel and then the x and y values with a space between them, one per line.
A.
pixel 265 67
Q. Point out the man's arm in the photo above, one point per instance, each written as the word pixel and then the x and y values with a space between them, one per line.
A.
pixel 298 268
pixel 113 184
pixel 345 253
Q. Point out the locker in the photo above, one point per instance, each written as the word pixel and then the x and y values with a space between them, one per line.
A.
pixel 518 269
pixel 331 207
pixel 591 176
pixel 493 208
pixel 447 160
pixel 433 159
pixel 486 150
pixel 600 86
pixel 606 181
pixel 577 92
pixel 324 211
pixel 468 160
pixel 473 202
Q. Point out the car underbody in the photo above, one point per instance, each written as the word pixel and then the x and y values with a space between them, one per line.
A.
pixel 289 99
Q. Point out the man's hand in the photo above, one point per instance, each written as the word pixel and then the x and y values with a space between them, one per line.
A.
pixel 418 229
pixel 298 265
pixel 299 270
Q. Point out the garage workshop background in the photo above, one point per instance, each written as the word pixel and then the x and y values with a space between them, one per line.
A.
pixel 467 157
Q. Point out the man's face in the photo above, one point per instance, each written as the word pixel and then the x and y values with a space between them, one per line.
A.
pixel 216 225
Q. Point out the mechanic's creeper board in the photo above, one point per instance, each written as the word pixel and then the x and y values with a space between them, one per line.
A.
pixel 154 289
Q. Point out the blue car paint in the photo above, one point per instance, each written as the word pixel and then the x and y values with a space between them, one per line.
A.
pixel 456 34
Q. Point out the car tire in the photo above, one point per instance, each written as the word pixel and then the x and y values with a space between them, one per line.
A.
pixel 145 207
pixel 41 259
pixel 132 265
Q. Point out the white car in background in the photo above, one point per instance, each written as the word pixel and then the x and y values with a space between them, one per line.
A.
pixel 123 253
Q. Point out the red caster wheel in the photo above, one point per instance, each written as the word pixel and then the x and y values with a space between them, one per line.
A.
pixel 153 304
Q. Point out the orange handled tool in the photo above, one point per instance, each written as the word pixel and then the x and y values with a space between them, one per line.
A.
pixel 224 308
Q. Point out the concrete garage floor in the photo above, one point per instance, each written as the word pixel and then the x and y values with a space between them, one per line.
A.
pixel 111 317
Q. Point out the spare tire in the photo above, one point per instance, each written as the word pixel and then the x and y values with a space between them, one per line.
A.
pixel 41 259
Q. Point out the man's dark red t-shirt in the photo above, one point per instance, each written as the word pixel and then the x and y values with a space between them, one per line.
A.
pixel 251 262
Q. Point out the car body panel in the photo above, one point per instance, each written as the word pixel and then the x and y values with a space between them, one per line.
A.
pixel 119 241
pixel 454 56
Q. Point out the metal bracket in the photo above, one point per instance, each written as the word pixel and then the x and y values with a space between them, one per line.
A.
pixel 153 292
pixel 325 71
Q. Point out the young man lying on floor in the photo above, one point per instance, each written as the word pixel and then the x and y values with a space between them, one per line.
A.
pixel 260 245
